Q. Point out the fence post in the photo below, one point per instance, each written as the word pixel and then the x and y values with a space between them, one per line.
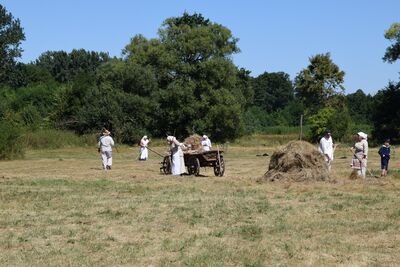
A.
pixel 301 127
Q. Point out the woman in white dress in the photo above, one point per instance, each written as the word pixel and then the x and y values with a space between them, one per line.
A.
pixel 178 162
pixel 206 143
pixel 144 153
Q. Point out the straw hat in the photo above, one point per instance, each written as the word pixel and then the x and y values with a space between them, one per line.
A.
pixel 363 135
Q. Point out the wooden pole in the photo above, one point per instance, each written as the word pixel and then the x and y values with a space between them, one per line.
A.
pixel 301 127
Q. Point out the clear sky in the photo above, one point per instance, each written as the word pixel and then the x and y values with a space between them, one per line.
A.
pixel 277 35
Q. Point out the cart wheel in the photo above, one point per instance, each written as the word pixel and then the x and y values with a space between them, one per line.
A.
pixel 166 165
pixel 219 167
pixel 194 166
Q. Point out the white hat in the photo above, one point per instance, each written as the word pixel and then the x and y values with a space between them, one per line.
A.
pixel 205 136
pixel 170 138
pixel 145 137
pixel 363 135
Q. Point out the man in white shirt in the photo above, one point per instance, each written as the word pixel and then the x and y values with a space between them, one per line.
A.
pixel 326 148
pixel 105 148
pixel 206 143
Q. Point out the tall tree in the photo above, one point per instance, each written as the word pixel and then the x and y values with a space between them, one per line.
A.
pixel 393 52
pixel 360 106
pixel 319 81
pixel 386 113
pixel 272 91
pixel 64 67
pixel 199 88
pixel 11 36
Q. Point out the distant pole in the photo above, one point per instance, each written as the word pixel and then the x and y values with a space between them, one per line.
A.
pixel 301 127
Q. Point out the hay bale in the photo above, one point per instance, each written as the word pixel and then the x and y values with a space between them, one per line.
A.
pixel 297 161
pixel 194 141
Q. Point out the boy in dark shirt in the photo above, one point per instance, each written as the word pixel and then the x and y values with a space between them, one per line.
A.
pixel 384 152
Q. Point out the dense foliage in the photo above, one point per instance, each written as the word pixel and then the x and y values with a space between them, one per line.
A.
pixel 181 82
pixel 317 83
pixel 11 35
pixel 393 52
pixel 386 115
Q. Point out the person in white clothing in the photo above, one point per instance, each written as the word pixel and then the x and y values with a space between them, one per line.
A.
pixel 206 143
pixel 178 161
pixel 105 148
pixel 360 156
pixel 144 153
pixel 326 148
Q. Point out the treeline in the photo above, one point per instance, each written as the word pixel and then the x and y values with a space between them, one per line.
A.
pixel 181 82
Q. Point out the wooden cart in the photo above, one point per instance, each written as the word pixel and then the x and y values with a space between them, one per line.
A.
pixel 196 159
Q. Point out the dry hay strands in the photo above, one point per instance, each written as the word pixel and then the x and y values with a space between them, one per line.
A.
pixel 298 161
pixel 194 141
pixel 353 175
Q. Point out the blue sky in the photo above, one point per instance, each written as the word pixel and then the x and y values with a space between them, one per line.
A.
pixel 274 35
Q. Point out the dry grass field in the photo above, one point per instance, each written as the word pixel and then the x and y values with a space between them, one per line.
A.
pixel 58 208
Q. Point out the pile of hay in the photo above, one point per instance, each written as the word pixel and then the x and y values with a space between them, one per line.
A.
pixel 194 141
pixel 297 161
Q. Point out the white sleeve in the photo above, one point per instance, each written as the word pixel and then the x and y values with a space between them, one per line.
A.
pixel 365 146
pixel 322 146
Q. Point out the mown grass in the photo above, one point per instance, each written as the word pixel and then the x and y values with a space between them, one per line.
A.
pixel 69 212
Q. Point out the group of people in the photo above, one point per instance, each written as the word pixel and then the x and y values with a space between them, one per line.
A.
pixel 326 148
pixel 106 143
pixel 176 151
pixel 360 153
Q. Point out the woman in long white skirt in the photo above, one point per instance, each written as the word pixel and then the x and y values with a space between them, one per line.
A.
pixel 178 162
pixel 360 157
pixel 144 152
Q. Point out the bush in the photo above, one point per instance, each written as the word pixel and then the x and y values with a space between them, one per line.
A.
pixel 51 139
pixel 319 123
pixel 11 145
pixel 336 121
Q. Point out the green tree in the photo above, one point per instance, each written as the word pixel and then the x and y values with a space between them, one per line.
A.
pixel 64 67
pixel 319 122
pixel 11 36
pixel 393 52
pixel 319 81
pixel 272 91
pixel 360 106
pixel 386 113
pixel 198 86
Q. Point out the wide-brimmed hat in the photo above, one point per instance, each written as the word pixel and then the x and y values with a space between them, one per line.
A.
pixel 362 135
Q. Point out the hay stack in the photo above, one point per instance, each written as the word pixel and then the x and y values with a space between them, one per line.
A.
pixel 195 142
pixel 297 161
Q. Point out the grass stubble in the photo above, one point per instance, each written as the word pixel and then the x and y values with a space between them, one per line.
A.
pixel 58 208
